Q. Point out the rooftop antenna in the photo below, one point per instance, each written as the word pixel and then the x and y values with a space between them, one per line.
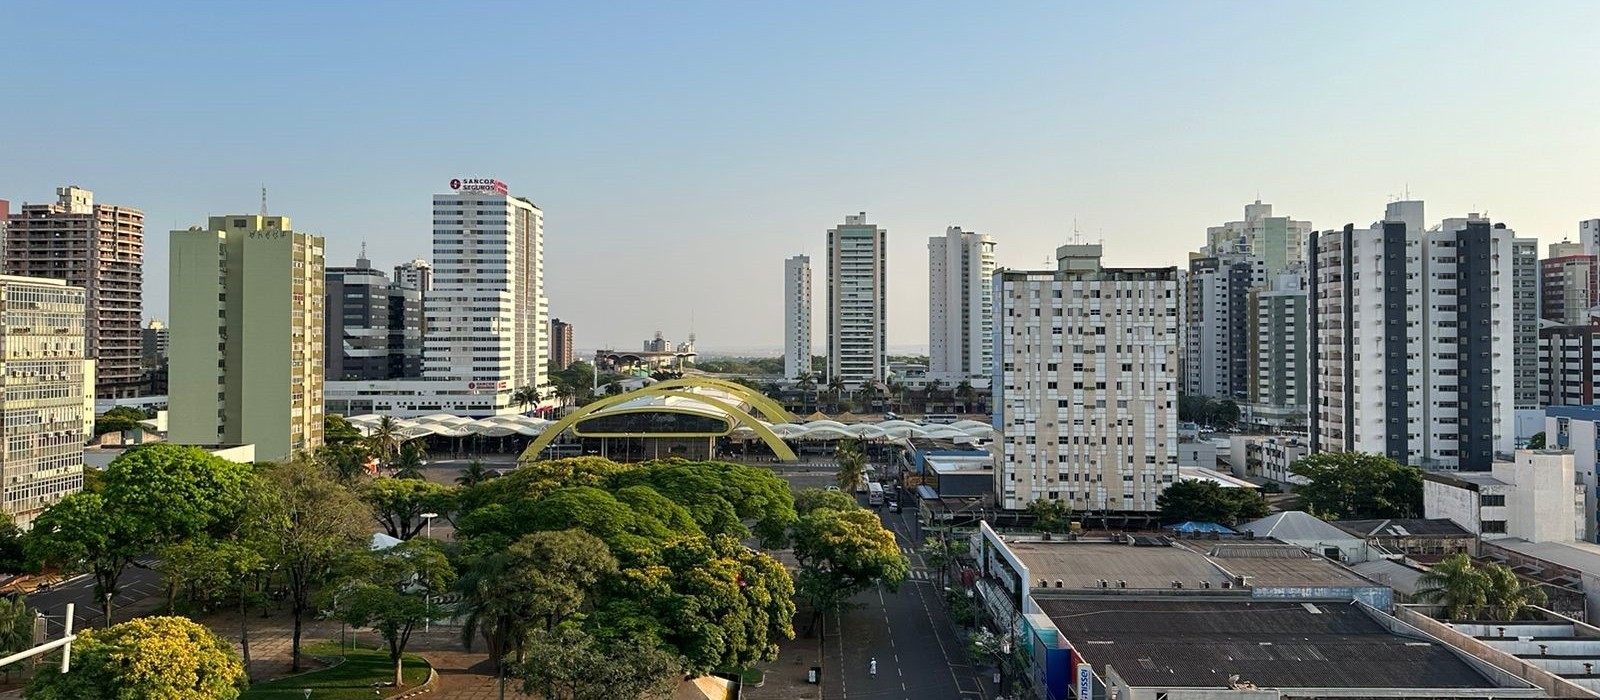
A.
pixel 264 201
pixel 1408 192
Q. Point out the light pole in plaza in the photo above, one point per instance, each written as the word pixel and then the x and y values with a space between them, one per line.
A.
pixel 428 520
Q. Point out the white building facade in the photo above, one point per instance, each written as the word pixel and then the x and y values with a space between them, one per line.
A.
pixel 1277 348
pixel 1414 340
pixel 796 317
pixel 43 370
pixel 960 306
pixel 858 350
pixel 488 318
pixel 1086 383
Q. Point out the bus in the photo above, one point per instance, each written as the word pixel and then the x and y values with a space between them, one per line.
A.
pixel 940 418
pixel 874 494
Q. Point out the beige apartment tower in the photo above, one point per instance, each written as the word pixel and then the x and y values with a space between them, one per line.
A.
pixel 1085 389
pixel 247 299
pixel 99 248
pixel 42 363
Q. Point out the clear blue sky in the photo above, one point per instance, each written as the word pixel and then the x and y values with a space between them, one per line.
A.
pixel 681 150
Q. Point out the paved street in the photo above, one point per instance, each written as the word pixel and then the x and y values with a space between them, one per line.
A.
pixel 137 588
pixel 919 655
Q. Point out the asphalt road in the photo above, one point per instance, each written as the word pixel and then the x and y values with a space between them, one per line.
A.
pixel 136 585
pixel 919 654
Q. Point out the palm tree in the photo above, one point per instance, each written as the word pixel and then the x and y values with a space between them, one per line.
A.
pixel 852 465
pixel 525 397
pixel 474 474
pixel 410 462
pixel 1508 594
pixel 836 389
pixel 1457 585
pixel 966 392
pixel 386 438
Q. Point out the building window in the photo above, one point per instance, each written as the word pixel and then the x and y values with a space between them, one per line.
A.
pixel 1494 527
pixel 1488 500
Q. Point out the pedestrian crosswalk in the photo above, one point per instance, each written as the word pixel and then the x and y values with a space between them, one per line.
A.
pixel 921 575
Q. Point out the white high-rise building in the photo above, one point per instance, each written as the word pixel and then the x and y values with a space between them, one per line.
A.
pixel 1277 350
pixel 43 368
pixel 1415 339
pixel 1086 383
pixel 960 306
pixel 796 317
pixel 488 318
pixel 417 274
pixel 1278 240
pixel 858 307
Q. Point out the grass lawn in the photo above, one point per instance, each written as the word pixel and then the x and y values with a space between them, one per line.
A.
pixel 347 681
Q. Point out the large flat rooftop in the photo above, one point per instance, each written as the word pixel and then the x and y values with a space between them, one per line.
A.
pixel 1194 564
pixel 1177 643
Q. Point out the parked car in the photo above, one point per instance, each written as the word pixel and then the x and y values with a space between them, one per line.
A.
pixel 894 506
pixel 831 487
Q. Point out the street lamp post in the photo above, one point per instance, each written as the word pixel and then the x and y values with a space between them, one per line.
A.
pixel 428 519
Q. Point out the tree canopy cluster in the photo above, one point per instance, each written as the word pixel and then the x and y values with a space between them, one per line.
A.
pixel 1357 486
pixel 1470 591
pixel 1210 502
pixel 582 557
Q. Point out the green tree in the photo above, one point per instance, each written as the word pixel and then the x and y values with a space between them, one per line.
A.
pixel 474 474
pixel 941 554
pixel 16 629
pixel 567 663
pixel 526 397
pixel 852 465
pixel 538 582
pixel 1508 595
pixel 1050 515
pixel 150 658
pixel 338 431
pixel 346 461
pixel 811 499
pixel 214 573
pixel 1227 413
pixel 1209 502
pixel 721 496
pixel 391 592
pixel 1537 441
pixel 305 521
pixel 841 553
pixel 1456 584
pixel 385 439
pixel 408 464
pixel 1356 486
pixel 80 533
pixel 13 552
pixel 173 493
pixel 398 504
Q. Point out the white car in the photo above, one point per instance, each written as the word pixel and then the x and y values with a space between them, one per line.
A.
pixel 831 487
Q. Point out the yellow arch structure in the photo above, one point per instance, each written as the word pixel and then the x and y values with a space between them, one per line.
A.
pixel 774 411
pixel 779 447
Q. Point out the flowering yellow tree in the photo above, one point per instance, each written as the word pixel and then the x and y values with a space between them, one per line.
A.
pixel 150 658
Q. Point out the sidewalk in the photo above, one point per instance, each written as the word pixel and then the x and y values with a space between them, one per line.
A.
pixel 786 676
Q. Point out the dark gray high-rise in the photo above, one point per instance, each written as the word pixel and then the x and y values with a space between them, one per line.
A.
pixel 374 327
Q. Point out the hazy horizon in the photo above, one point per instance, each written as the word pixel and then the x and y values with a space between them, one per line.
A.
pixel 680 152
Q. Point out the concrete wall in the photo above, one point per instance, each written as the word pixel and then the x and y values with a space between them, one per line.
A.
pixel 1454 503
pixel 1381 598
pixel 1541 506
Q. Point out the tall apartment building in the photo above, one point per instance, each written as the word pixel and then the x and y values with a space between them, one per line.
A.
pixel 247 299
pixel 1279 241
pixel 1569 284
pixel 796 317
pixel 43 359
pixel 1589 236
pixel 560 344
pixel 5 216
pixel 960 306
pixel 100 248
pixel 153 356
pixel 1086 383
pixel 488 318
pixel 1569 364
pixel 1525 321
pixel 858 305
pixel 417 274
pixel 1278 344
pixel 374 327
pixel 1218 324
pixel 1416 335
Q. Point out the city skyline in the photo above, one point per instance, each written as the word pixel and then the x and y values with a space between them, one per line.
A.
pixel 654 151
